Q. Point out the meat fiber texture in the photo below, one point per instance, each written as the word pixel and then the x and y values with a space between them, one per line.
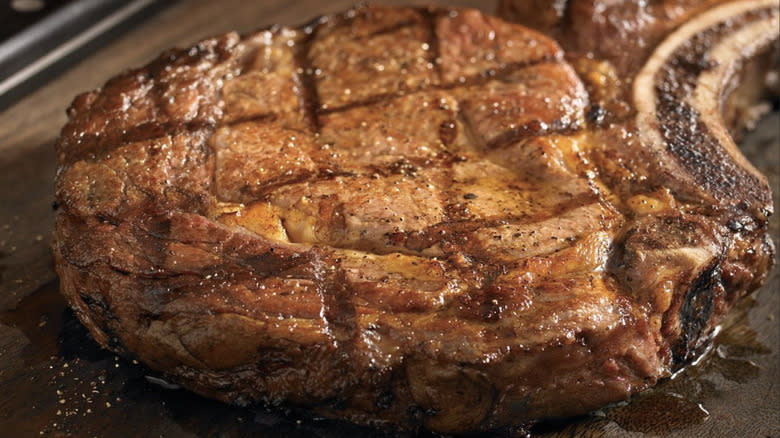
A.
pixel 400 217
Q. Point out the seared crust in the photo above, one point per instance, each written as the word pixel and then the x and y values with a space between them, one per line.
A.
pixel 393 216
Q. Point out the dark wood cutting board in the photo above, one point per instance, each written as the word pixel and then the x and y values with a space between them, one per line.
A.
pixel 55 381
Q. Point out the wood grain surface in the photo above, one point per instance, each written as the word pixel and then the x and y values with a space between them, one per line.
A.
pixel 55 381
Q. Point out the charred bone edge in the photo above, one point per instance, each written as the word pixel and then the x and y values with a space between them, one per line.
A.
pixel 727 56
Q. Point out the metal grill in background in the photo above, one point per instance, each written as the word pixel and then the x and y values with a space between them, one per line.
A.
pixel 41 38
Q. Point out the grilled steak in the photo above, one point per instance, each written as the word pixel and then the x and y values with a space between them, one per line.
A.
pixel 414 217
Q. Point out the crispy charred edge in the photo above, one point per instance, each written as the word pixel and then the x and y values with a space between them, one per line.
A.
pixel 89 307
pixel 71 147
pixel 96 147
pixel 336 411
pixel 91 283
pixel 696 316
pixel 702 308
pixel 700 304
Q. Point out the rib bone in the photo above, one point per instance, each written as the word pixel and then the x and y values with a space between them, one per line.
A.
pixel 758 27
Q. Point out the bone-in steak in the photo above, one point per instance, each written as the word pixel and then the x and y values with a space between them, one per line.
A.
pixel 414 217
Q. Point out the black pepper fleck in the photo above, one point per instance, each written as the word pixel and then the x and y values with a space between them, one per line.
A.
pixel 596 114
